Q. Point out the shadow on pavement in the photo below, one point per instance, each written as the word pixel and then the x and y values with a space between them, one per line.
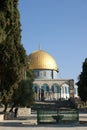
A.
pixel 21 124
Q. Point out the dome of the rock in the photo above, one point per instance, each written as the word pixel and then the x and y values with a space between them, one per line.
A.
pixel 41 60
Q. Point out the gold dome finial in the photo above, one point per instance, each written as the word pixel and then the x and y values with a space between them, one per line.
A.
pixel 39 46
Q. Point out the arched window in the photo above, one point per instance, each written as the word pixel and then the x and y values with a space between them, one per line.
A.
pixel 36 88
pixel 62 89
pixel 45 87
pixel 55 88
pixel 65 88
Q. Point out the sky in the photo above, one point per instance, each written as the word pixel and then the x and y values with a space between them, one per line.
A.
pixel 60 28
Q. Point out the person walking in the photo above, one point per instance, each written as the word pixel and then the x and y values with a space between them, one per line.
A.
pixel 15 112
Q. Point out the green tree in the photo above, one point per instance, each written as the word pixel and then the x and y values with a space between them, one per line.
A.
pixel 24 95
pixel 82 83
pixel 12 52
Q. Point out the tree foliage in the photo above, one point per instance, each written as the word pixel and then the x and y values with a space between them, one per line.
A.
pixel 82 83
pixel 24 95
pixel 12 52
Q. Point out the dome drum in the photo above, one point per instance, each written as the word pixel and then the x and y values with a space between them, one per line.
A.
pixel 45 74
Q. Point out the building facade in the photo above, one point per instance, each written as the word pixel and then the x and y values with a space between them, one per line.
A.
pixel 46 85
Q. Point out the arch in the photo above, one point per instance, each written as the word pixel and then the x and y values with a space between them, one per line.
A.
pixel 45 87
pixel 45 92
pixel 65 88
pixel 36 90
pixel 65 92
pixel 55 88
pixel 36 87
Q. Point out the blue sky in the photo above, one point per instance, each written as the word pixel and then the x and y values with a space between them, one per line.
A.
pixel 60 27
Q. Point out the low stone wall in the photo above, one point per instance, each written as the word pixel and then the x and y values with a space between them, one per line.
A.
pixel 1 117
pixel 24 111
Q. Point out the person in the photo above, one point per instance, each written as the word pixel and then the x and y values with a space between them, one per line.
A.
pixel 15 112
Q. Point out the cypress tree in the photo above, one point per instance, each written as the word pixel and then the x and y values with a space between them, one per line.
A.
pixel 82 83
pixel 12 52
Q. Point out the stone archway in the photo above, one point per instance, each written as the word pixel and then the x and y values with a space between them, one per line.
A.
pixel 65 91
pixel 36 90
pixel 45 92
pixel 56 91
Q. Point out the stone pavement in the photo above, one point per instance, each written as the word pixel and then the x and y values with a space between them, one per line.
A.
pixel 18 126
pixel 27 125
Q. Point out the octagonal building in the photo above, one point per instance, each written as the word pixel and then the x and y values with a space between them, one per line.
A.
pixel 46 85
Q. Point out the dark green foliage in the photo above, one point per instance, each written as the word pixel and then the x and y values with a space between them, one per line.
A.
pixel 82 83
pixel 24 95
pixel 11 70
pixel 12 53
pixel 14 90
pixel 9 19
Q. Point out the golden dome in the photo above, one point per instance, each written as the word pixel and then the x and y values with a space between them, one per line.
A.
pixel 41 60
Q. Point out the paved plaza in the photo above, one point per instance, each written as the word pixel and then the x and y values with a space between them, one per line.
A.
pixel 17 126
pixel 27 125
